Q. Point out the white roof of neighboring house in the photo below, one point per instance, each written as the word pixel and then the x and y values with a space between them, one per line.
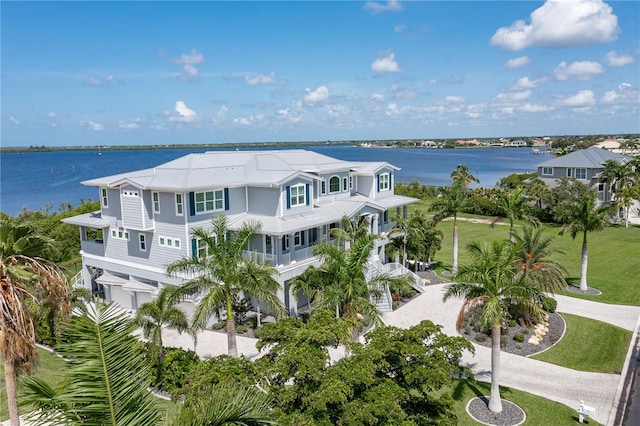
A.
pixel 608 144
pixel 235 168
pixel 590 158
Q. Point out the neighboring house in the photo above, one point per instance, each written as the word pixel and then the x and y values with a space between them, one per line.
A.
pixel 298 196
pixel 584 165
pixel 518 142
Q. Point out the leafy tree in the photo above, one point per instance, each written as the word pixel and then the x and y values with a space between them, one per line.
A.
pixel 564 193
pixel 538 191
pixel 462 176
pixel 228 404
pixel 25 277
pixel 107 377
pixel 153 316
pixel 450 202
pixel 513 205
pixel 222 271
pixel 582 217
pixel 490 281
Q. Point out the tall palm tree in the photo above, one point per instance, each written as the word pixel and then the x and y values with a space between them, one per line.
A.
pixel 490 282
pixel 259 275
pixel 24 276
pixel 107 377
pixel 228 405
pixel 537 191
pixel 222 271
pixel 352 229
pixel 621 177
pixel 513 205
pixel 407 227
pixel 536 260
pixel 625 198
pixel 153 316
pixel 309 283
pixel 463 176
pixel 449 203
pixel 582 217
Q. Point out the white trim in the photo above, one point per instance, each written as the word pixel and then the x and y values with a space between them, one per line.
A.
pixel 204 201
pixel 297 196
pixel 386 184
pixel 104 197
pixel 142 241
pixel 179 204
pixel 339 184
pixel 169 242
pixel 545 170
pixel 155 199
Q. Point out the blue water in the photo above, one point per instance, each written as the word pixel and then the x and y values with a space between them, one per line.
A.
pixel 36 180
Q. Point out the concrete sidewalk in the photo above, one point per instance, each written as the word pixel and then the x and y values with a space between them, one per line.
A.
pixel 550 381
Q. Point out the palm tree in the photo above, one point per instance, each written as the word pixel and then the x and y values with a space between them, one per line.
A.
pixel 407 227
pixel 537 191
pixel 463 176
pixel 513 205
pixel 625 198
pixel 228 405
pixel 621 177
pixel 24 276
pixel 221 271
pixel 309 283
pixel 536 260
pixel 449 203
pixel 352 229
pixel 259 275
pixel 153 316
pixel 582 216
pixel 107 377
pixel 490 282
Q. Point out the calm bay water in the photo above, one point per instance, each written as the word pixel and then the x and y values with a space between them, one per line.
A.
pixel 37 179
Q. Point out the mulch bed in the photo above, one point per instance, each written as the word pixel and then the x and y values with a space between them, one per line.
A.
pixel 511 414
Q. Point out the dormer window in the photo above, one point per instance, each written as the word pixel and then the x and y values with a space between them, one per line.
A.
pixel 334 184
pixel 383 182
pixel 297 195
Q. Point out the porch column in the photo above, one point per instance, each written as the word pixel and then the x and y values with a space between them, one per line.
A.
pixel 374 224
pixel 404 212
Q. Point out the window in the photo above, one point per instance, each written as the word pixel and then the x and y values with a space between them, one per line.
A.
pixel 298 238
pixel 324 230
pixel 297 195
pixel 179 205
pixel 383 182
pixel 547 171
pixel 323 187
pixel 350 182
pixel 268 243
pixel 285 242
pixel 142 242
pixel 156 202
pixel 601 186
pixel 130 193
pixel 385 216
pixel 169 242
pixel 209 201
pixel 334 184
pixel 581 173
pixel 120 234
pixel 105 199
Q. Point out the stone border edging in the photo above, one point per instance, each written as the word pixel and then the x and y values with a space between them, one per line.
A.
pixel 524 415
pixel 564 330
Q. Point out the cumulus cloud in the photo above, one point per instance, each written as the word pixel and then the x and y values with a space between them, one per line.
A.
pixel 292 114
pixel 242 121
pixel 185 115
pixel 261 79
pixel 92 125
pixel 535 108
pixel 221 115
pixel 385 64
pixel 376 7
pixel 614 60
pixel 580 70
pixel 560 24
pixel 14 120
pixel 512 96
pixel 129 125
pixel 392 110
pixel 100 81
pixel 517 62
pixel 526 83
pixel 188 60
pixel 609 97
pixel 318 95
pixel 377 97
pixel 581 99
pixel 454 99
pixel 456 79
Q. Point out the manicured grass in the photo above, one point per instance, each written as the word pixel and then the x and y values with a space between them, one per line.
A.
pixel 579 350
pixel 614 255
pixel 539 411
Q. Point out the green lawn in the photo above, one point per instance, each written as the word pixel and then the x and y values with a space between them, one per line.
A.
pixel 614 255
pixel 604 354
pixel 539 411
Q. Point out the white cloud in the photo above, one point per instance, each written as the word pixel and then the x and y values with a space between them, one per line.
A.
pixel 318 95
pixel 399 28
pixel 188 60
pixel 624 86
pixel 96 127
pixel 221 115
pixel 580 99
pixel 293 114
pixel 608 97
pixel 512 96
pixel 100 81
pixel 377 97
pixel 129 125
pixel 526 83
pixel 14 120
pixel 185 115
pixel 392 110
pixel 338 111
pixel 535 108
pixel 580 70
pixel 385 64
pixel 517 62
pixel 614 60
pixel 242 121
pixel 455 99
pixel 561 23
pixel 261 79
pixel 390 6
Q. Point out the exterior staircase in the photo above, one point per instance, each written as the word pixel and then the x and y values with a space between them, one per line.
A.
pixel 384 302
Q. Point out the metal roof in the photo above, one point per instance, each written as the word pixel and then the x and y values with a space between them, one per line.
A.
pixel 232 168
pixel 92 220
pixel 590 158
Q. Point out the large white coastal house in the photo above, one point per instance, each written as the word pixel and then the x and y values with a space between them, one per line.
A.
pixel 146 216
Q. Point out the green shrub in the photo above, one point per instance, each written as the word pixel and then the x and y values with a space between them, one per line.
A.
pixel 219 325
pixel 467 330
pixel 549 304
pixel 395 305
pixel 241 329
pixel 518 337
pixel 518 346
pixel 481 337
pixel 257 332
pixel 511 323
pixel 177 367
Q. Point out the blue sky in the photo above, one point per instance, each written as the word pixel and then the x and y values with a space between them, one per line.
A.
pixel 140 73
